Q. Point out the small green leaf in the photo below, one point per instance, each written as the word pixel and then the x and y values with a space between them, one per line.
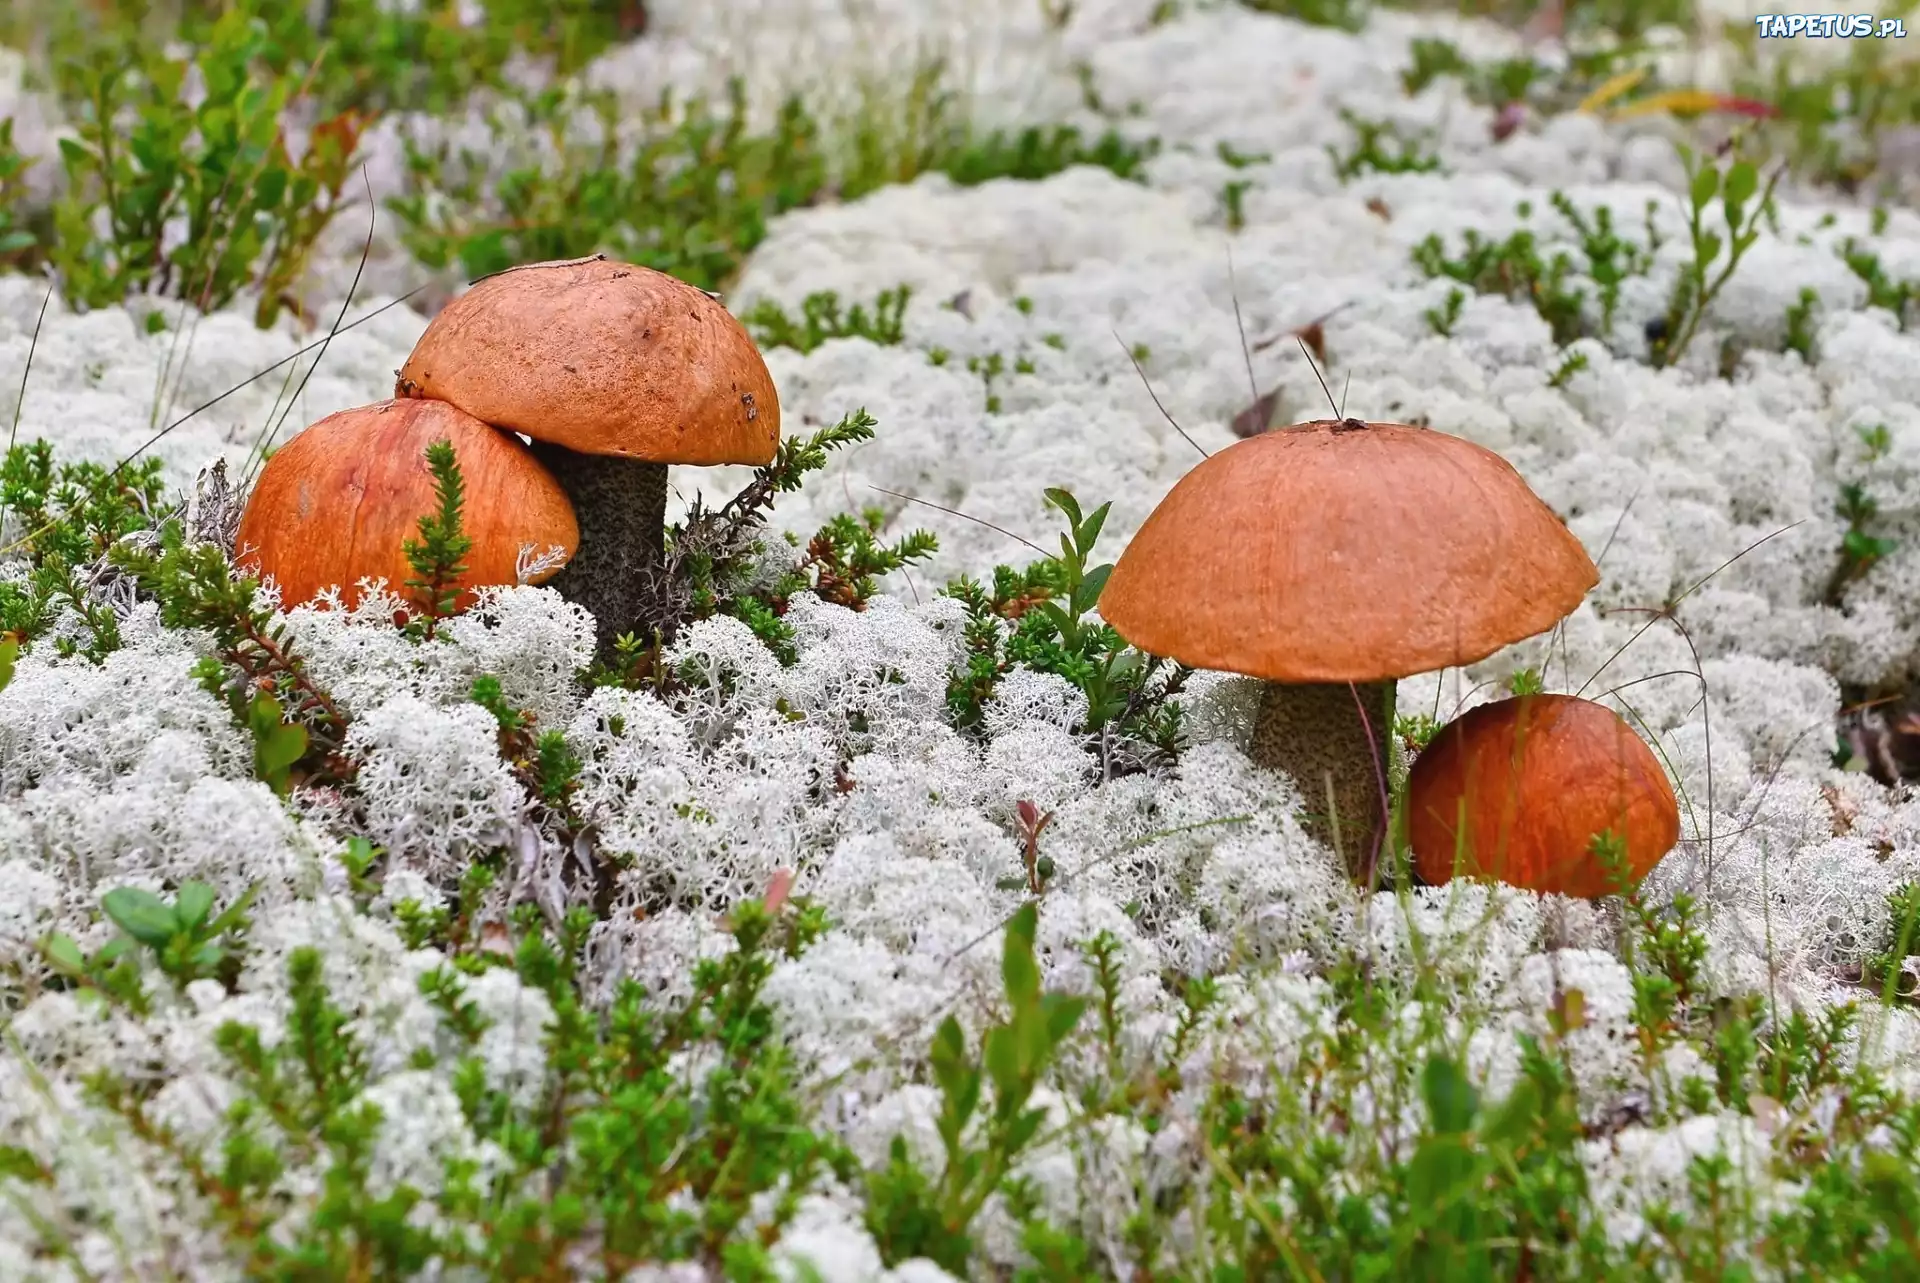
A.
pixel 1002 1056
pixel 1088 531
pixel 63 955
pixel 277 744
pixel 142 915
pixel 1017 966
pixel 1066 503
pixel 1443 1169
pixel 193 904
pixel 1062 1013
pixel 1451 1100
pixel 1087 595
pixel 1743 180
pixel 1706 183
pixel 9 652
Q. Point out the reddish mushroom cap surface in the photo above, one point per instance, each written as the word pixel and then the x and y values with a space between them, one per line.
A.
pixel 338 502
pixel 1516 790
pixel 1337 552
pixel 604 358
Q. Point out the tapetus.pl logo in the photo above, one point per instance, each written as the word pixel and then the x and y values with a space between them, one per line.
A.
pixel 1829 26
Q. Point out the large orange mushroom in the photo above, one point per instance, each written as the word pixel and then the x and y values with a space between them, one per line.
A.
pixel 1330 559
pixel 1517 790
pixel 338 502
pixel 615 371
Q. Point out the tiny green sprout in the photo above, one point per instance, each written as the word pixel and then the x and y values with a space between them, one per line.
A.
pixel 1443 318
pixel 1141 353
pixel 1233 158
pixel 1023 365
pixel 1377 147
pixel 1233 195
pixel 1023 305
pixel 1877 440
pixel 1057 342
pixel 1800 324
pixel 1572 364
pixel 985 1121
pixel 1525 682
pixel 938 356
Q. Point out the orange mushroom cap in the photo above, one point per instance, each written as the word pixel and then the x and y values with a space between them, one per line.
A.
pixel 1516 790
pixel 338 502
pixel 604 358
pixel 1340 552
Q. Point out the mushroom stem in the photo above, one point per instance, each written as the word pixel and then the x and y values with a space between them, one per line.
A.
pixel 621 507
pixel 1315 733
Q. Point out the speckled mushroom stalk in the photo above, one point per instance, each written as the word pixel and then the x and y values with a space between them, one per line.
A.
pixel 1335 741
pixel 616 372
pixel 621 505
pixel 1331 559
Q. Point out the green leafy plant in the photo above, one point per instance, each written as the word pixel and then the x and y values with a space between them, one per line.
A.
pixel 69 515
pixel 187 939
pixel 1898 296
pixel 911 1215
pixel 692 195
pixel 689 189
pixel 1344 15
pixel 1742 201
pixel 1860 548
pixel 844 558
pixel 197 587
pixel 1801 323
pixel 821 318
pixel 1047 604
pixel 16 237
pixel 1378 147
pixel 617 1153
pixel 1037 152
pixel 221 168
pixel 545 763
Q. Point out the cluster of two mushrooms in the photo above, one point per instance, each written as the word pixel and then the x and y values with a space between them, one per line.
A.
pixel 614 371
pixel 1332 558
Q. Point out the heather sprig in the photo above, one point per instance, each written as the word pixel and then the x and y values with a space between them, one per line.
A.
pixel 436 557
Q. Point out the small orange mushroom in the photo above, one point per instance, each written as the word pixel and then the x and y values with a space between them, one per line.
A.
pixel 616 371
pixel 1517 790
pixel 338 502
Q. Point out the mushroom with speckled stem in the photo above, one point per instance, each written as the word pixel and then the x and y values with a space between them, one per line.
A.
pixel 616 372
pixel 1330 559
